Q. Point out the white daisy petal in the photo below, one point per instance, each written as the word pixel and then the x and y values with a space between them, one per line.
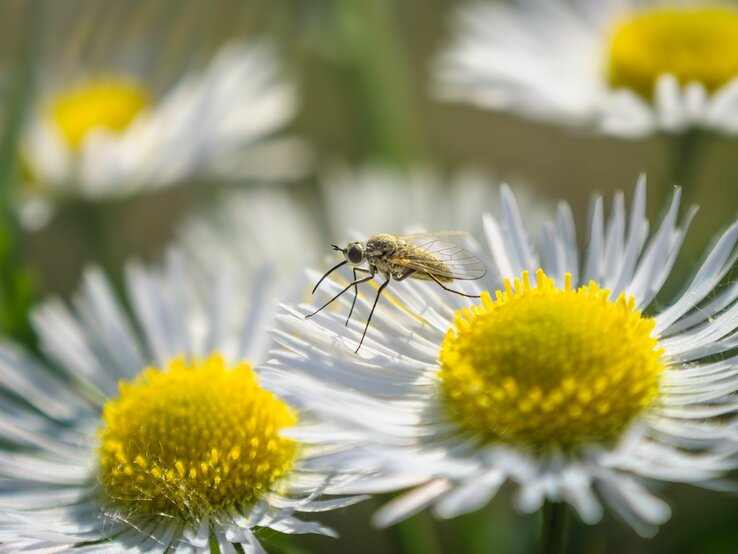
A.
pixel 577 490
pixel 669 109
pixel 472 495
pixel 640 509
pixel 637 236
pixel 716 265
pixel 614 241
pixel 523 258
pixel 722 112
pixel 593 265
pixel 659 256
pixel 410 503
pixel 704 310
pixel 59 401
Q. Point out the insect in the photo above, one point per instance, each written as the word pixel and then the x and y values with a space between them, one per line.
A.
pixel 420 256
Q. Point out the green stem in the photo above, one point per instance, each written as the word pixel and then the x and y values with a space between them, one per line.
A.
pixel 17 285
pixel 17 289
pixel 553 530
pixel 98 223
pixel 686 156
pixel 16 104
pixel 417 535
pixel 387 106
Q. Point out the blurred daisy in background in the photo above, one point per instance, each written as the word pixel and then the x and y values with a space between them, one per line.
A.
pixel 566 378
pixel 152 432
pixel 627 68
pixel 378 199
pixel 150 114
pixel 350 203
pixel 255 227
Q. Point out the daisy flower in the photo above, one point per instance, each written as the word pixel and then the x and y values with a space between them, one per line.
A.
pixel 113 131
pixel 566 378
pixel 622 67
pixel 152 432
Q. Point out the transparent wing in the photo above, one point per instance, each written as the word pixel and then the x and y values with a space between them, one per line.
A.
pixel 428 254
pixel 418 237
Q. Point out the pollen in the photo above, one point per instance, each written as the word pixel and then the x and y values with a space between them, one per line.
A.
pixel 110 103
pixel 694 44
pixel 197 439
pixel 550 368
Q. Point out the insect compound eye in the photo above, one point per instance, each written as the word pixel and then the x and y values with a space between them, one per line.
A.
pixel 355 254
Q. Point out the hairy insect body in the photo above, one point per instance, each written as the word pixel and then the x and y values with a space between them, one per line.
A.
pixel 382 249
pixel 421 256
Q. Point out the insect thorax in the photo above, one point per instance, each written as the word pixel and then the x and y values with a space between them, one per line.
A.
pixel 382 250
pixel 383 245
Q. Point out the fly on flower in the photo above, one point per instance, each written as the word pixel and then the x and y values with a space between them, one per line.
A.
pixel 419 256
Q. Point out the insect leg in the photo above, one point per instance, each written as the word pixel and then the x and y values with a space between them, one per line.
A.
pixel 331 270
pixel 356 291
pixel 371 313
pixel 409 273
pixel 352 284
pixel 444 287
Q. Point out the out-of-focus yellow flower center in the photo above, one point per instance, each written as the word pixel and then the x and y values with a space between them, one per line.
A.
pixel 548 367
pixel 194 440
pixel 695 44
pixel 110 103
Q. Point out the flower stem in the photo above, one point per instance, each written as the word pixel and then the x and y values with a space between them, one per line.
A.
pixel 553 528
pixel 417 535
pixel 99 227
pixel 374 51
pixel 17 282
pixel 686 156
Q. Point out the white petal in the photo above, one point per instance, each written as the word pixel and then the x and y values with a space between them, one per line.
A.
pixel 472 495
pixel 714 268
pixel 410 503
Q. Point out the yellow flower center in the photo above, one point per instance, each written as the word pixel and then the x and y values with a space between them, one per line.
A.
pixel 108 103
pixel 697 44
pixel 193 440
pixel 548 367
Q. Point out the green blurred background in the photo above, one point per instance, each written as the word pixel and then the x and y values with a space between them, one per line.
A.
pixel 363 69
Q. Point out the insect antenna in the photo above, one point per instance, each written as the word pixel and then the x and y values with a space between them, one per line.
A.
pixel 331 270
